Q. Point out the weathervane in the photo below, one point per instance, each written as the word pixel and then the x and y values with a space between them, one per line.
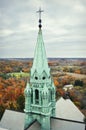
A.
pixel 40 11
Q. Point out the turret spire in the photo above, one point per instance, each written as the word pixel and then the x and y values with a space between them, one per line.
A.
pixel 40 11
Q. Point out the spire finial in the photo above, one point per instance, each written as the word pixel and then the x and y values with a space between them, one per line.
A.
pixel 40 11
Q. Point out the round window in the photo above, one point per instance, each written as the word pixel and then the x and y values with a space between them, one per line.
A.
pixel 36 78
pixel 43 78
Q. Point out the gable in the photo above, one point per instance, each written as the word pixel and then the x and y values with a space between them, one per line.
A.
pixel 67 110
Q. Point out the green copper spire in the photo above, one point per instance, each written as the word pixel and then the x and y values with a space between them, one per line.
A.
pixel 40 91
pixel 40 63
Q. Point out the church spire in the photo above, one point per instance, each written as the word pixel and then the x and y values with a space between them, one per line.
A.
pixel 40 92
pixel 40 63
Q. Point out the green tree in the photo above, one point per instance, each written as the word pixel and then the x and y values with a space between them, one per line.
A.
pixel 78 83
pixel 20 102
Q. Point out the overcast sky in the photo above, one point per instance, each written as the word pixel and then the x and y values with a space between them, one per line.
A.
pixel 64 28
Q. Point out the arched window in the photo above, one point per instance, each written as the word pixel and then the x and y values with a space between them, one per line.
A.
pixel 44 75
pixel 51 94
pixel 36 96
pixel 31 96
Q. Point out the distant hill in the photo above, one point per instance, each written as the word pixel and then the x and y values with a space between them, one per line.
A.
pixel 50 59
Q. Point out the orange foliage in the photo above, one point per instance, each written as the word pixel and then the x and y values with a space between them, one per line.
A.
pixel 60 91
pixel 10 90
pixel 77 71
pixel 56 83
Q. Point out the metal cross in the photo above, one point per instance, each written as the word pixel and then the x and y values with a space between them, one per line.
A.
pixel 40 11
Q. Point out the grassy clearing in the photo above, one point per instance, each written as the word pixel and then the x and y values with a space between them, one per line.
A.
pixel 19 74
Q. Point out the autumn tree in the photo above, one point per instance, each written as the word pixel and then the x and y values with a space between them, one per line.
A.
pixel 20 102
pixel 78 83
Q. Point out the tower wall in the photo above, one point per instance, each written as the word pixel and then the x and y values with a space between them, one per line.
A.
pixel 45 124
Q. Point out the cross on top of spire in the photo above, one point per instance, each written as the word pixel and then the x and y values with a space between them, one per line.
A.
pixel 40 11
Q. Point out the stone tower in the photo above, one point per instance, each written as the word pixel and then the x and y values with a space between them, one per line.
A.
pixel 40 91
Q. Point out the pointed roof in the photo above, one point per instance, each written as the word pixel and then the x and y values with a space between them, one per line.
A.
pixel 67 110
pixel 40 63
pixel 27 89
pixel 45 89
pixel 13 120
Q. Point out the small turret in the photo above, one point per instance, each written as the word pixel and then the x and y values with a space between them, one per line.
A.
pixel 27 93
pixel 27 90
pixel 45 100
pixel 53 99
pixel 53 89
pixel 45 92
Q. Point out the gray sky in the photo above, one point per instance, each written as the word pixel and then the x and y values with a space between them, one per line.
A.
pixel 64 27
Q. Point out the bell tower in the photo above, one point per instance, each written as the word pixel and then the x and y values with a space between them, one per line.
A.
pixel 40 91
